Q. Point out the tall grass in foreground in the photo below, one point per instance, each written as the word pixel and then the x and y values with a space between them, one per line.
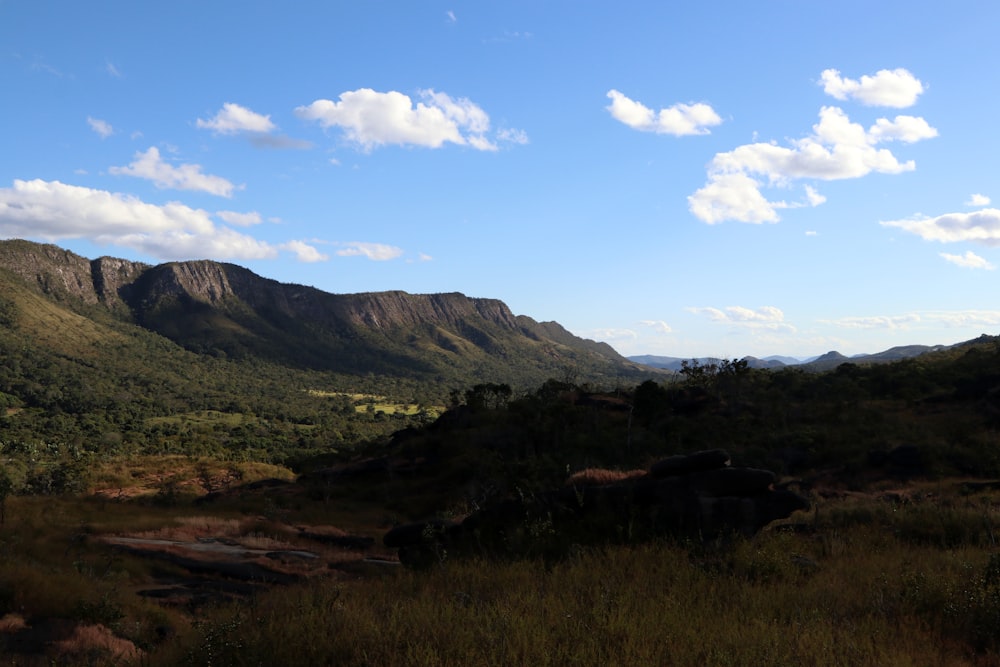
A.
pixel 859 597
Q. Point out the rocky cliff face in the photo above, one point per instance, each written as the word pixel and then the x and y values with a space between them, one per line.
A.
pixel 66 276
pixel 224 308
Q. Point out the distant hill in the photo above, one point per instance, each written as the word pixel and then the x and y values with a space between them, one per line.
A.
pixel 824 362
pixel 226 311
pixel 677 363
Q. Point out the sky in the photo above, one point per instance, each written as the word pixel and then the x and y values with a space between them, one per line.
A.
pixel 722 178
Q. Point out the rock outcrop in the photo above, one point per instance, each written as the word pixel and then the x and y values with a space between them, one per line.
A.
pixel 698 496
pixel 226 310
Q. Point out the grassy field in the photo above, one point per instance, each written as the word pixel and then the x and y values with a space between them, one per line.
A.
pixel 907 574
pixel 374 403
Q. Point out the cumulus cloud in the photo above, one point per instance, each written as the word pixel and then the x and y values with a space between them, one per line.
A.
pixel 610 335
pixel 922 319
pixel 896 88
pixel 240 219
pixel 978 200
pixel 876 321
pixel 678 120
pixel 814 198
pixel 374 251
pixel 765 317
pixel 907 129
pixel 659 326
pixel 733 197
pixel 969 260
pixel 837 149
pixel 52 210
pixel 372 119
pixel 980 226
pixel 305 252
pixel 101 127
pixel 233 119
pixel 150 166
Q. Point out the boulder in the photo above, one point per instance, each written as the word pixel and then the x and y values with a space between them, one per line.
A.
pixel 694 496
pixel 684 463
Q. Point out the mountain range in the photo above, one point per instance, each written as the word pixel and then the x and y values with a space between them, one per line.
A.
pixel 226 311
pixel 824 362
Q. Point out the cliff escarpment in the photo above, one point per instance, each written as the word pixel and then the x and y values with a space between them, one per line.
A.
pixel 226 310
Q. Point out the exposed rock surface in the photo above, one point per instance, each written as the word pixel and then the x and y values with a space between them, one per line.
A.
pixel 697 496
pixel 224 309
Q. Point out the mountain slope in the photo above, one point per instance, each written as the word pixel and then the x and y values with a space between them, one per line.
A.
pixel 225 310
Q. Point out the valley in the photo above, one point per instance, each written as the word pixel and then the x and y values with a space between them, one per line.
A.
pixel 200 466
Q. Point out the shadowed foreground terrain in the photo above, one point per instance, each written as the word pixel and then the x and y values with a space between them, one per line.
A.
pixel 207 495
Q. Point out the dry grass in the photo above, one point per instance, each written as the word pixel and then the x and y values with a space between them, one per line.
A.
pixel 12 623
pixel 902 576
pixel 600 476
pixel 651 605
pixel 86 640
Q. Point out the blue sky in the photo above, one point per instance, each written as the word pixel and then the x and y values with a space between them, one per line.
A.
pixel 681 179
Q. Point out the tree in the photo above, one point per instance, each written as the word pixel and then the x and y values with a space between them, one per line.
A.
pixel 6 487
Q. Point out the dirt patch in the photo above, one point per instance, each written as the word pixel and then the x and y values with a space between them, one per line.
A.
pixel 60 640
pixel 231 558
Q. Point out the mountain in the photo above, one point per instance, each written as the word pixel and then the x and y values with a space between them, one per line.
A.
pixel 670 363
pixel 226 311
pixel 784 360
pixel 677 363
pixel 824 362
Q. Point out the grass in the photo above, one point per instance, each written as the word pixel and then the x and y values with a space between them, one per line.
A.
pixel 375 403
pixel 896 575
pixel 648 605
pixel 855 588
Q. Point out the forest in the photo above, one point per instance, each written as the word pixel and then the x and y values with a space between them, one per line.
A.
pixel 895 562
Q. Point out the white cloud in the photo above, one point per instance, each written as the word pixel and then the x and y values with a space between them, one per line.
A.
pixel 372 119
pixel 512 136
pixel 233 118
pixel 374 251
pixel 101 127
pixel 240 219
pixel 978 200
pixel 896 88
pixel 151 167
pixel 922 319
pixel 678 120
pixel 611 336
pixel 765 317
pixel 969 260
pixel 112 70
pixel 659 326
pixel 814 198
pixel 907 129
pixel 450 15
pixel 52 211
pixel 979 226
pixel 876 322
pixel 305 252
pixel 837 149
pixel 221 244
pixel 732 197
